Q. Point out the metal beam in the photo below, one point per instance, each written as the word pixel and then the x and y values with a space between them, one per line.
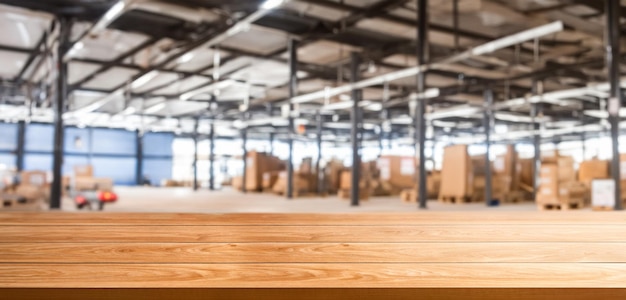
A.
pixel 19 152
pixel 356 125
pixel 293 91
pixel 612 11
pixel 59 108
pixel 534 112
pixel 139 157
pixel 244 138
pixel 420 107
pixel 33 55
pixel 487 115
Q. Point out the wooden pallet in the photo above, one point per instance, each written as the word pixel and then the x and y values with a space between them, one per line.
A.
pixel 602 208
pixel 12 202
pixel 513 197
pixel 457 199
pixel 562 206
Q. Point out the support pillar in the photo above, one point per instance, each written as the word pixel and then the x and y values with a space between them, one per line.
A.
pixel 244 138
pixel 212 156
pixel 318 169
pixel 19 153
pixel 535 111
pixel 487 126
pixel 139 157
pixel 195 155
pixel 420 108
pixel 356 125
pixel 293 91
pixel 59 108
pixel 615 96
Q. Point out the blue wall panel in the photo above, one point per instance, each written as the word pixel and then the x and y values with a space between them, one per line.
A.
pixel 158 144
pixel 77 140
pixel 41 162
pixel 8 136
pixel 8 160
pixel 157 169
pixel 121 169
pixel 39 137
pixel 69 161
pixel 113 141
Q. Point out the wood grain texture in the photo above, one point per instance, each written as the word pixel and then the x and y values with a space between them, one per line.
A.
pixel 316 294
pixel 85 253
pixel 330 234
pixel 327 275
pixel 409 218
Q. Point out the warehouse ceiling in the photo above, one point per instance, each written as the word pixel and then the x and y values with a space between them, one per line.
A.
pixel 156 65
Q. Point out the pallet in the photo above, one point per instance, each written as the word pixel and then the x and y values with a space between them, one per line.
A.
pixel 513 197
pixel 12 202
pixel 602 208
pixel 561 206
pixel 456 199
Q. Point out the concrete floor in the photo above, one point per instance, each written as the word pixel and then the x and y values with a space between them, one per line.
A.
pixel 152 199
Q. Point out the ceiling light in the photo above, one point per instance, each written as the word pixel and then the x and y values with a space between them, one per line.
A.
pixel 271 4
pixel 155 108
pixel 186 58
pixel 143 79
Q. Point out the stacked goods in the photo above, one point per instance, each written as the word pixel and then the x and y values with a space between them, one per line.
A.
pixel 590 170
pixel 478 173
pixel 622 170
pixel 602 194
pixel 525 171
pixel 257 163
pixel 433 183
pixel 345 186
pixel 333 171
pixel 33 186
pixel 301 184
pixel 269 180
pixel 85 181
pixel 507 176
pixel 397 173
pixel 558 188
pixel 457 177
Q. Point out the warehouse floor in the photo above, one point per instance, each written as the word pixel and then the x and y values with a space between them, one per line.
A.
pixel 152 199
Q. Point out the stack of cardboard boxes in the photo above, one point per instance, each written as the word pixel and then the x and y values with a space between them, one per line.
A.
pixel 433 183
pixel 345 186
pixel 397 173
pixel 304 180
pixel 558 188
pixel 507 176
pixel 31 188
pixel 85 181
pixel 590 170
pixel 332 175
pixel 257 164
pixel 458 181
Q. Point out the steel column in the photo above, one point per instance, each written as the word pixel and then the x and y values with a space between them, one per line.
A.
pixel 356 125
pixel 244 138
pixel 293 91
pixel 59 108
pixel 270 113
pixel 19 152
pixel 535 110
pixel 318 170
pixel 420 108
pixel 211 156
pixel 615 101
pixel 195 155
pixel 139 157
pixel 487 126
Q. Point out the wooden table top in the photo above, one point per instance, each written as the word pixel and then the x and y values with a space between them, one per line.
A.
pixel 420 255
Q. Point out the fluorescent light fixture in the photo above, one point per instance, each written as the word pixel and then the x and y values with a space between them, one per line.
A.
pixel 128 111
pixel 501 129
pixel 215 87
pixel 139 82
pixel 155 108
pixel 408 72
pixel 462 111
pixel 113 13
pixel 78 46
pixel 271 4
pixel 186 58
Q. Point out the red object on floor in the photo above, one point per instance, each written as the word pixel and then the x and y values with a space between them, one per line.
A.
pixel 80 200
pixel 107 196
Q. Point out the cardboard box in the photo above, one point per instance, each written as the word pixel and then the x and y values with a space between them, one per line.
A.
pixel 102 184
pixel 31 193
pixel 257 163
pixel 83 171
pixel 269 179
pixel 593 169
pixel 34 178
pixel 364 194
pixel 456 172
pixel 399 171
pixel 237 182
pixel 333 171
pixel 603 193
pixel 301 184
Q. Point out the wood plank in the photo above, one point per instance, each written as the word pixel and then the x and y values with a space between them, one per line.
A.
pixel 409 218
pixel 312 253
pixel 375 275
pixel 318 294
pixel 338 234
